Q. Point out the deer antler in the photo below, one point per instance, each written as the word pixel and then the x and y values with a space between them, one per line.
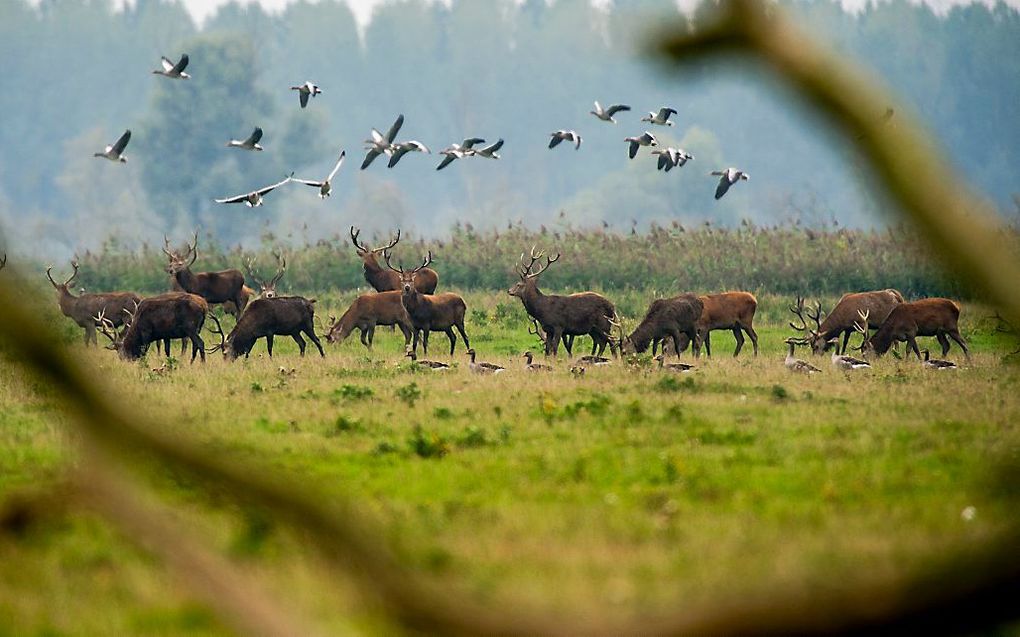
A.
pixel 424 263
pixel 105 325
pixel 537 331
pixel 861 327
pixel 799 311
pixel 130 313
pixel 166 247
pixel 74 265
pixel 391 244
pixel 386 257
pixel 219 330
pixel 282 260
pixel 249 267
pixel 355 232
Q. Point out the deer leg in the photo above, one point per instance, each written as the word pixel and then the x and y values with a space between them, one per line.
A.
pixel 407 336
pixel 269 344
pixel 552 344
pixel 955 335
pixel 912 345
pixel 87 336
pixel 310 331
pixel 300 342
pixel 944 342
pixel 708 343
pixel 675 335
pixel 425 341
pixel 414 332
pixel 846 341
pixel 453 338
pixel 737 334
pixel 364 337
pixel 754 338
pixel 568 344
pixel 463 335
pixel 197 347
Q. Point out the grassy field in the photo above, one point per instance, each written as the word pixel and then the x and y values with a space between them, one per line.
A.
pixel 626 488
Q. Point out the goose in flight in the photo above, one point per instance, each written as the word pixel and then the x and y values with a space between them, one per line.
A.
pixel 671 157
pixel 645 139
pixel 252 143
pixel 661 118
pixel 490 150
pixel 606 114
pixel 254 198
pixel 305 91
pixel 115 151
pixel 567 135
pixel 727 178
pixel 456 151
pixel 399 150
pixel 326 185
pixel 380 143
pixel 171 70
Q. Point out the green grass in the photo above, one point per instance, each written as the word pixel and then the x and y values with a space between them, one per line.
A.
pixel 625 488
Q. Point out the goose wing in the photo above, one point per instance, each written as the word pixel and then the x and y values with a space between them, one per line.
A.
pixel 555 141
pixel 446 162
pixel 180 66
pixel 491 148
pixel 167 64
pixel 665 112
pixel 267 189
pixel 369 158
pixel 723 186
pixel 235 198
pixel 254 138
pixel 391 134
pixel 308 182
pixel 399 152
pixel 633 149
pixel 339 162
pixel 122 143
pixel 303 96
pixel 616 108
pixel 663 160
pixel 471 141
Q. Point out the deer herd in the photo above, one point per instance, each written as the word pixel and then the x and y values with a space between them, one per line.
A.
pixel 406 299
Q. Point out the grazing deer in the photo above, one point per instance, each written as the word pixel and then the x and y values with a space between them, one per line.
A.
pixel 878 304
pixel 382 279
pixel 267 289
pixel 279 316
pixel 732 311
pixel 927 317
pixel 366 312
pixel 666 318
pixel 160 318
pixel 84 308
pixel 226 286
pixel 564 315
pixel 430 312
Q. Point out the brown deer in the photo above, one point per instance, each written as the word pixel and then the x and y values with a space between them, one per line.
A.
pixel 878 304
pixel 666 318
pixel 366 312
pixel 84 308
pixel 279 316
pixel 384 280
pixel 267 289
pixel 927 317
pixel 226 286
pixel 430 312
pixel 563 315
pixel 161 318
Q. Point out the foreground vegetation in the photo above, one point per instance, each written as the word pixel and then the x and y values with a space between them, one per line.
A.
pixel 626 488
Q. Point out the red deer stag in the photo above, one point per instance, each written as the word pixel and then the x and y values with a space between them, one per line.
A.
pixel 430 312
pixel 279 316
pixel 267 289
pixel 84 308
pixel 564 315
pixel 666 318
pixel 226 286
pixel 366 312
pixel 732 311
pixel 878 304
pixel 161 318
pixel 927 317
pixel 384 280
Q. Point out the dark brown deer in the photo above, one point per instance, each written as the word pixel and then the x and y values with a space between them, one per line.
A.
pixel 732 311
pixel 226 286
pixel 927 317
pixel 280 316
pixel 667 318
pixel 266 289
pixel 878 304
pixel 159 319
pixel 430 312
pixel 366 312
pixel 564 315
pixel 383 279
pixel 84 308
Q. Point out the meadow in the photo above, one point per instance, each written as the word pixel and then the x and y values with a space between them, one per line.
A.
pixel 628 488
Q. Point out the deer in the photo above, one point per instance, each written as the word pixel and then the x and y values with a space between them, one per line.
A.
pixel 563 315
pixel 224 287
pixel 278 316
pixel 927 317
pixel 878 304
pixel 160 318
pixel 366 312
pixel 732 311
pixel 430 312
pixel 539 333
pixel 84 308
pixel 266 289
pixel 384 280
pixel 666 318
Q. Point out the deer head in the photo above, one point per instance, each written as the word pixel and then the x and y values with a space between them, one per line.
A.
pixel 178 261
pixel 529 273
pixel 407 276
pixel 267 289
pixel 62 287
pixel 624 342
pixel 812 336
pixel 369 256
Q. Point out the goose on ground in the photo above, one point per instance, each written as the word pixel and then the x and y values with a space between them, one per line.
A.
pixel 483 368
pixel 457 151
pixel 606 114
pixel 673 367
pixel 252 143
pixel 171 70
pixel 594 360
pixel 672 157
pixel 306 90
pixel 795 364
pixel 380 143
pixel 727 178
pixel 645 139
pixel 532 366
pixel 847 363
pixel 565 135
pixel 935 363
pixel 326 185
pixel 490 150
pixel 433 365
pixel 399 150
pixel 115 151
pixel 661 118
pixel 254 198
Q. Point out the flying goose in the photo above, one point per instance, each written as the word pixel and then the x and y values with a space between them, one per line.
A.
pixel 661 118
pixel 568 135
pixel 433 365
pixel 254 198
pixel 935 363
pixel 727 178
pixel 305 91
pixel 670 157
pixel 115 151
pixel 796 364
pixel 646 139
pixel 490 150
pixel 456 151
pixel 399 150
pixel 534 367
pixel 673 367
pixel 171 70
pixel 606 114
pixel 380 143
pixel 483 368
pixel 326 185
pixel 252 143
